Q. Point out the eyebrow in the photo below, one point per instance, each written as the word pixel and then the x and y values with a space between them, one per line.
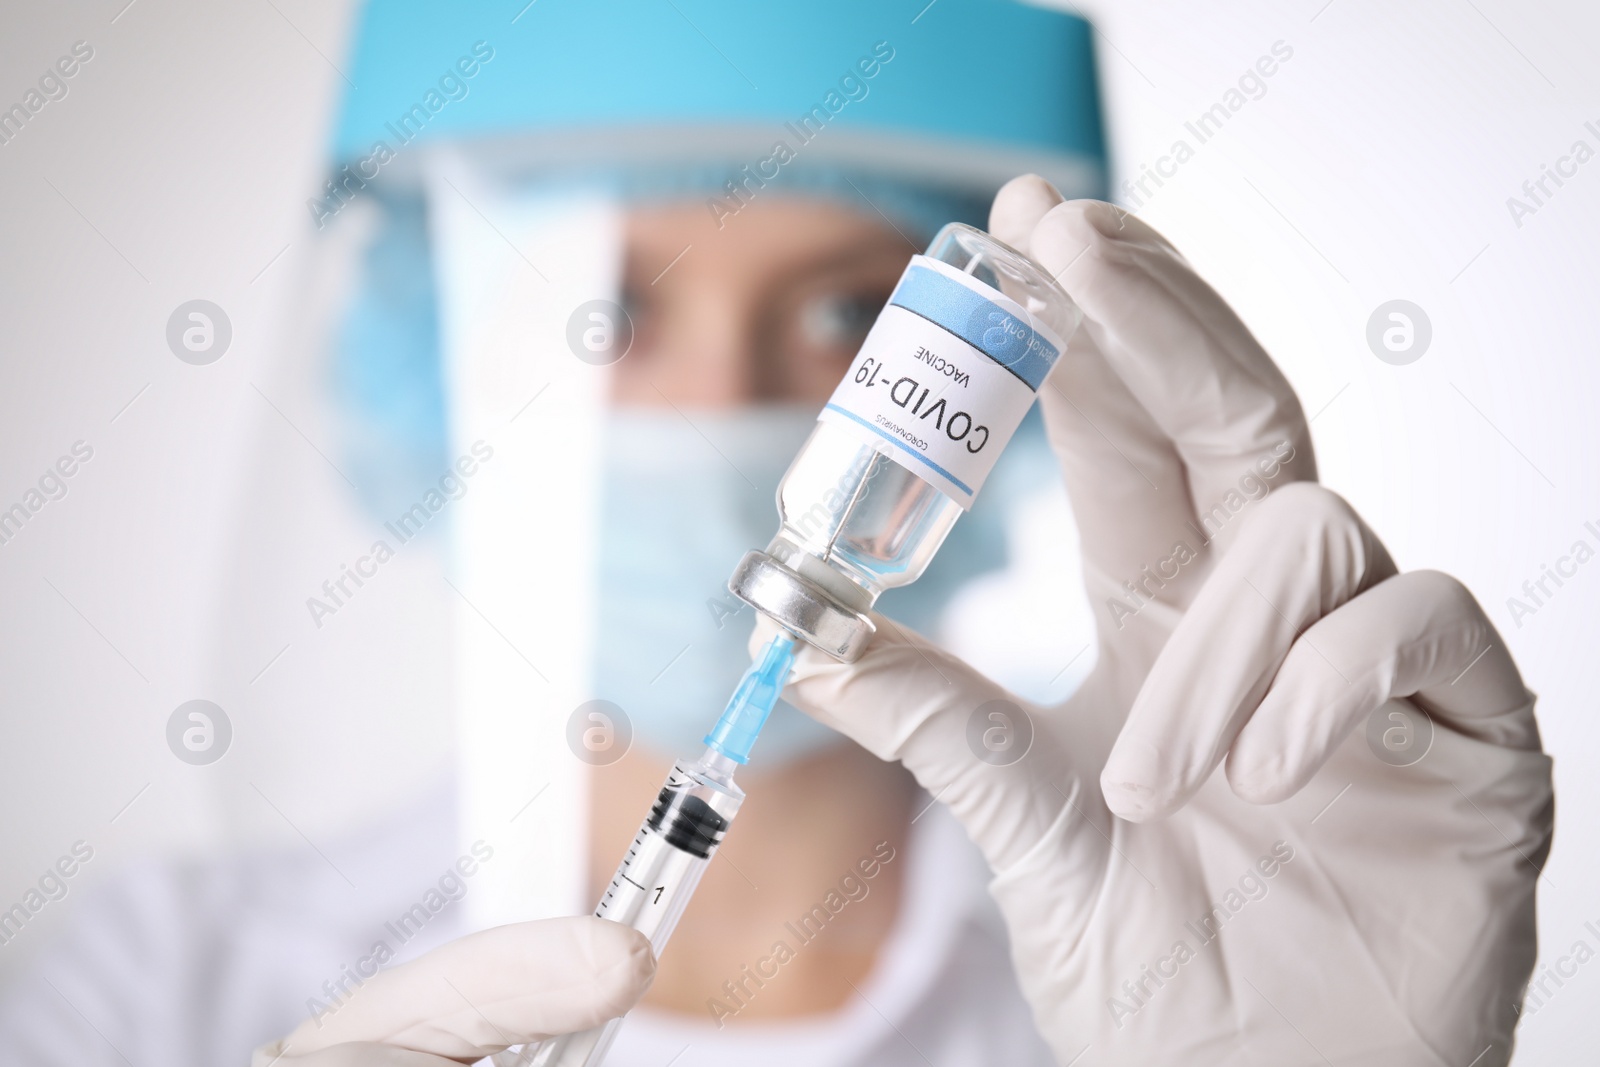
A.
pixel 848 256
pixel 640 274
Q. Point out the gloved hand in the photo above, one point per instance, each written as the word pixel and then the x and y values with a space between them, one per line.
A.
pixel 1313 903
pixel 476 996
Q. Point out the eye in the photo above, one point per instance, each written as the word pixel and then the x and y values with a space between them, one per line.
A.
pixel 838 320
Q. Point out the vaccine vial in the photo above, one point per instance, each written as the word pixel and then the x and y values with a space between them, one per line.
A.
pixel 902 448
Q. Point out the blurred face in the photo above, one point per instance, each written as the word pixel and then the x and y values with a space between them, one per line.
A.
pixel 769 309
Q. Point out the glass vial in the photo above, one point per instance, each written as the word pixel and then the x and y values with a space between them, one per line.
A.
pixel 902 448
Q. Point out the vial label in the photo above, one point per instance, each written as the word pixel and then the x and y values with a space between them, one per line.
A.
pixel 944 377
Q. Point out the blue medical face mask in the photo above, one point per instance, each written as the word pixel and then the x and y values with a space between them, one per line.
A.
pixel 681 503
pixel 682 500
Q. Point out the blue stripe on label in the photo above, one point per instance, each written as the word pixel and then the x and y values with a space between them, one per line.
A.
pixel 893 440
pixel 983 324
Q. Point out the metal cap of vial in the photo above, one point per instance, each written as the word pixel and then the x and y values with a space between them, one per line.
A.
pixel 801 606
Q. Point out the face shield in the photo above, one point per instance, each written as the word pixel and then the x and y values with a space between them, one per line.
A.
pixel 503 383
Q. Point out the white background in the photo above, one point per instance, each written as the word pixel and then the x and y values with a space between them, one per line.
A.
pixel 1377 166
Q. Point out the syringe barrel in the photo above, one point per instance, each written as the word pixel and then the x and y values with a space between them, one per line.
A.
pixel 664 863
pixel 653 885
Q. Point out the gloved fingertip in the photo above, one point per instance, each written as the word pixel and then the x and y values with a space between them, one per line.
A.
pixel 1063 237
pixel 1130 801
pixel 624 965
pixel 1018 207
pixel 1109 219
pixel 1131 781
pixel 1255 782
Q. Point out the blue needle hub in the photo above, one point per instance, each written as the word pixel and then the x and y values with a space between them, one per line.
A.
pixel 754 699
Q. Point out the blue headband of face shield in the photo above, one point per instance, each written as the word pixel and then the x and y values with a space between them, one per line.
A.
pixel 969 92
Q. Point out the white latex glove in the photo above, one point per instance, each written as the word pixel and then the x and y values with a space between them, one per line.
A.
pixel 1366 913
pixel 478 995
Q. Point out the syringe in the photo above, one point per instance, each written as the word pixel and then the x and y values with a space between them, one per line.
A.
pixel 675 844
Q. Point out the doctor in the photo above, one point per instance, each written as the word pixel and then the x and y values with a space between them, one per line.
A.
pixel 1307 902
